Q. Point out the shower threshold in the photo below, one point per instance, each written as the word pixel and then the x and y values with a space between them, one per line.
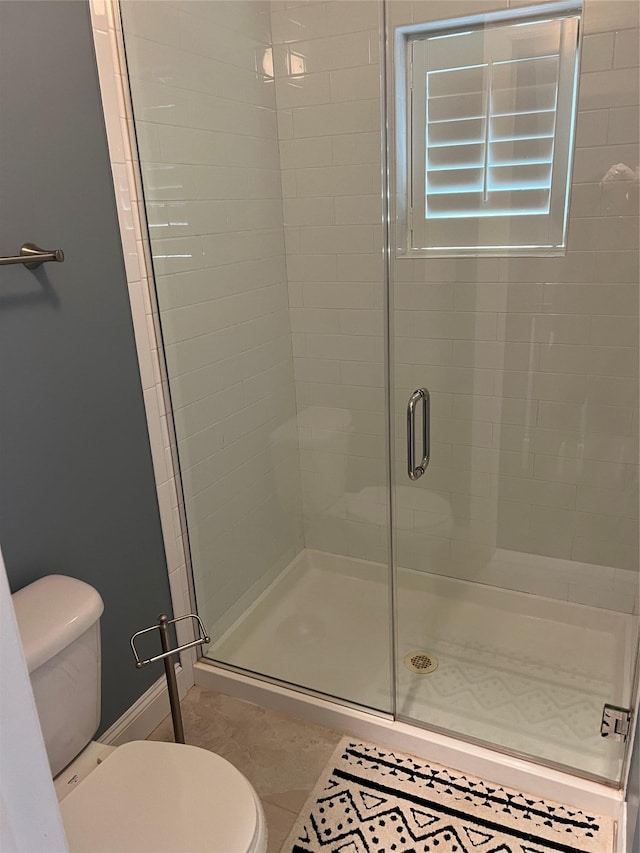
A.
pixel 522 673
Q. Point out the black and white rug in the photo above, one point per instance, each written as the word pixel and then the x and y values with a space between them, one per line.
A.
pixel 371 800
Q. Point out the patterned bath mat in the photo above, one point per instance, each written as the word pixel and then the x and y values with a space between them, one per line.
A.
pixel 371 800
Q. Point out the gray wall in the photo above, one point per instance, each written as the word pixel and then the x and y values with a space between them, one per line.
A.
pixel 77 490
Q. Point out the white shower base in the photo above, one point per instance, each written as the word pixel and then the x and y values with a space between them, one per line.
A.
pixel 518 671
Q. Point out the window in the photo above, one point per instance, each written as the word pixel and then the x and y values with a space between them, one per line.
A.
pixel 490 113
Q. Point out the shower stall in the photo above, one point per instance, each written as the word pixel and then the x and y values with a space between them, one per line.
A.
pixel 395 249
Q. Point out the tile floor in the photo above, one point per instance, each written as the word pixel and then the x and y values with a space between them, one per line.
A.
pixel 281 756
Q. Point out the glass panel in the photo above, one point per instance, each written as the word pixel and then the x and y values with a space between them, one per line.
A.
pixel 517 551
pixel 259 136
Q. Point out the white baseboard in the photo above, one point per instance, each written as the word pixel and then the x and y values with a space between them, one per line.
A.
pixel 622 845
pixel 146 713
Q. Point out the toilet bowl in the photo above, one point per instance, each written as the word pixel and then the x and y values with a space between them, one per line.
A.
pixel 144 796
pixel 152 797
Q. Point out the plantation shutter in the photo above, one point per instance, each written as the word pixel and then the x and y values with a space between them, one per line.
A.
pixel 492 120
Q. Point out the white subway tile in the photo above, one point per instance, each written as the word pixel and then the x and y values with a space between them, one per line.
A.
pixel 588 417
pixel 607 501
pixel 497 296
pixel 228 116
pixel 356 148
pixel 620 266
pixel 357 210
pixel 158 22
pixel 294 290
pixel 627 48
pixel 596 299
pixel 623 125
pixel 497 410
pixel 614 390
pixel 597 52
pixel 591 128
pixel 288 183
pixel 603 15
pixel 611 553
pixel 291 241
pixel 329 119
pixel 585 200
pixel 361 373
pixel 424 351
pixel 342 396
pixel 614 331
pixel 201 414
pixel 338 180
pixel 455 324
pixel 303 90
pixel 362 321
pixel 547 543
pixel 285 124
pixel 541 386
pixel 496 354
pixel 424 11
pixel 345 347
pixel 561 495
pixel 161 472
pixel 578 471
pixel 543 328
pixel 314 321
pixel 339 295
pixel 347 16
pixel 455 380
pixel 338 239
pixel 593 164
pixel 326 53
pixel 309 211
pixel 354 84
pixel 312 267
pixel 610 448
pixel 300 153
pixel 466 433
pixel 304 21
pixel 360 267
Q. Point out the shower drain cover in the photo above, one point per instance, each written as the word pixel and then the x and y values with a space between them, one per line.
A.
pixel 421 662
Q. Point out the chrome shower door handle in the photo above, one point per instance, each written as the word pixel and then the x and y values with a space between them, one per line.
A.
pixel 416 471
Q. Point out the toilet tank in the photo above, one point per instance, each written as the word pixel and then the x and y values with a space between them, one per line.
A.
pixel 59 623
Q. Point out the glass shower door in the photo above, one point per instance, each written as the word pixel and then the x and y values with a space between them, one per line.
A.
pixel 258 127
pixel 516 552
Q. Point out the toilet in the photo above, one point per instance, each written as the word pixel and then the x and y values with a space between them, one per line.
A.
pixel 146 796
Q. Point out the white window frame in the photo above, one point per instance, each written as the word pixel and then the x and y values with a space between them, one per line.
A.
pixel 526 235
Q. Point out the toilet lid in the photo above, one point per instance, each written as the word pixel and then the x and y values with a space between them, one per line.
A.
pixel 153 797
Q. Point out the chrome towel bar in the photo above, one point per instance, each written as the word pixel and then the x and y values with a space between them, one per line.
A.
pixel 31 256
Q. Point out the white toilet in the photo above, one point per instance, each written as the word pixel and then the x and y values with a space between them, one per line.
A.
pixel 144 796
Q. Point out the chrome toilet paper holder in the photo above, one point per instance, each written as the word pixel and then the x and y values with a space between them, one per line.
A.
pixel 167 654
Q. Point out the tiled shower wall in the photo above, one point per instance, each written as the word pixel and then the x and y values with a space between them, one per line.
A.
pixel 326 61
pixel 531 362
pixel 533 365
pixel 207 133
